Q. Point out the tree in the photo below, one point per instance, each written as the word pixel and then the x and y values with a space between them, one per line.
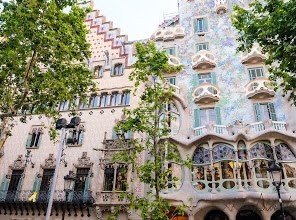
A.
pixel 145 120
pixel 43 50
pixel 271 23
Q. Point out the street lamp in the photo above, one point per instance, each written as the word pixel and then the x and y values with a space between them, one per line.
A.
pixel 69 182
pixel 61 124
pixel 276 173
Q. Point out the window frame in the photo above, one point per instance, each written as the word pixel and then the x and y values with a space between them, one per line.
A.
pixel 255 75
pixel 206 44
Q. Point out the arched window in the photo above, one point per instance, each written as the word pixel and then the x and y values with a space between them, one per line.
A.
pixel 169 114
pixel 202 177
pixel 216 215
pixel 117 69
pixel 261 154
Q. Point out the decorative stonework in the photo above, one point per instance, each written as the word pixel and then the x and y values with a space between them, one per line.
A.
pixel 260 89
pixel 220 6
pixel 49 162
pixel 254 56
pixel 18 164
pixel 168 33
pixel 174 61
pixel 206 93
pixel 203 60
pixel 84 161
pixel 37 129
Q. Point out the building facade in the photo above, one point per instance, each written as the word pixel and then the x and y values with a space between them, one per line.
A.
pixel 227 118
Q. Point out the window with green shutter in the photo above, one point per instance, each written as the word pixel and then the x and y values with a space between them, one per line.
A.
pixel 255 73
pixel 200 25
pixel 264 111
pixel 35 137
pixel 170 51
pixel 205 77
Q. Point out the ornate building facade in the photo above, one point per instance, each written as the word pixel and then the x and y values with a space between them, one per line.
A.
pixel 227 118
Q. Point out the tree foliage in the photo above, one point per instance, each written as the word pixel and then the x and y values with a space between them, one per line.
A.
pixel 145 121
pixel 43 50
pixel 272 24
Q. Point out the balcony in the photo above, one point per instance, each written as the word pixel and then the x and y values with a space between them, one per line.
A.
pixel 175 88
pixel 274 125
pixel 110 198
pixel 220 6
pixel 211 128
pixel 168 33
pixel 26 201
pixel 255 56
pixel 174 61
pixel 206 93
pixel 260 89
pixel 203 60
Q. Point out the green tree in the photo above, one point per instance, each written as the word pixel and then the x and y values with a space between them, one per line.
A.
pixel 146 121
pixel 271 23
pixel 43 50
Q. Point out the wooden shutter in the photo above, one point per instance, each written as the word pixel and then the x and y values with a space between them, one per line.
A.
pixel 122 69
pixel 213 77
pixel 196 117
pixel 3 188
pixel 37 183
pixel 271 110
pixel 195 25
pixel 19 186
pixel 86 192
pixel 29 140
pixel 81 136
pixel 205 21
pixel 218 115
pixel 39 140
pixel 257 111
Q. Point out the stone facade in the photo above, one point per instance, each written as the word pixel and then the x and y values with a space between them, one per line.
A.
pixel 227 119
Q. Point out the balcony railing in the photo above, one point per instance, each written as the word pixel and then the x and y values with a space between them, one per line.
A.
pixel 260 89
pixel 203 60
pixel 110 197
pixel 206 93
pixel 77 197
pixel 175 88
pixel 256 127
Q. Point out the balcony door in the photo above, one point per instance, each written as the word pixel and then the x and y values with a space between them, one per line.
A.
pixel 45 184
pixel 14 185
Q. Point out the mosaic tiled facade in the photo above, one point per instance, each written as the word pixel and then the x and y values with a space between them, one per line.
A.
pixel 228 120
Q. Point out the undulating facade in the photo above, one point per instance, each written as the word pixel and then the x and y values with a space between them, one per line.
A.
pixel 227 118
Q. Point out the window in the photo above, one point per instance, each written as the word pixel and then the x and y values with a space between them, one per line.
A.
pixel 119 173
pixel 98 72
pixel 202 46
pixel 125 100
pixel 45 184
pixel 34 138
pixel 74 103
pixel 117 70
pixel 115 99
pixel 170 51
pixel 104 100
pixel 207 115
pixel 14 186
pixel 171 80
pixel 264 111
pixel 75 137
pixel 205 77
pixel 93 101
pixel 200 25
pixel 255 73
pixel 83 104
pixel 64 105
pixel 170 115
pixel 81 178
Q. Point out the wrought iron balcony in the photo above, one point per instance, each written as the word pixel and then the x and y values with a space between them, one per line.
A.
pixel 220 6
pixel 259 89
pixel 206 93
pixel 203 60
pixel 254 56
pixel 26 201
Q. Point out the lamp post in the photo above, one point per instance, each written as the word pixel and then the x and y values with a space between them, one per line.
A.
pixel 61 124
pixel 69 181
pixel 276 173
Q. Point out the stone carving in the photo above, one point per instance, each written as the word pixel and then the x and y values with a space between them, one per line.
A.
pixel 49 162
pixel 84 161
pixel 99 213
pixel 18 164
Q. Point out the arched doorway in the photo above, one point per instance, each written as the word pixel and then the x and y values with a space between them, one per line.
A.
pixel 247 214
pixel 216 215
pixel 278 216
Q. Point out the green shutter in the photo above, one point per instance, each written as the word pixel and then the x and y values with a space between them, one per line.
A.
pixel 114 135
pixel 196 117
pixel 205 20
pixel 218 115
pixel 81 136
pixel 257 109
pixel 70 194
pixel 214 79
pixel 37 183
pixel 29 140
pixel 4 187
pixel 39 140
pixel 123 66
pixel 195 25
pixel 86 193
pixel 111 70
pixel 19 187
pixel 272 111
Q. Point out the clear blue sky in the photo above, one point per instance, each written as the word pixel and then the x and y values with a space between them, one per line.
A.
pixel 136 18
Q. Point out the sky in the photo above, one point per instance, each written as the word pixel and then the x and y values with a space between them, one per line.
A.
pixel 136 18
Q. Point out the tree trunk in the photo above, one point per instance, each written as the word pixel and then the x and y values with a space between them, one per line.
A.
pixel 5 133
